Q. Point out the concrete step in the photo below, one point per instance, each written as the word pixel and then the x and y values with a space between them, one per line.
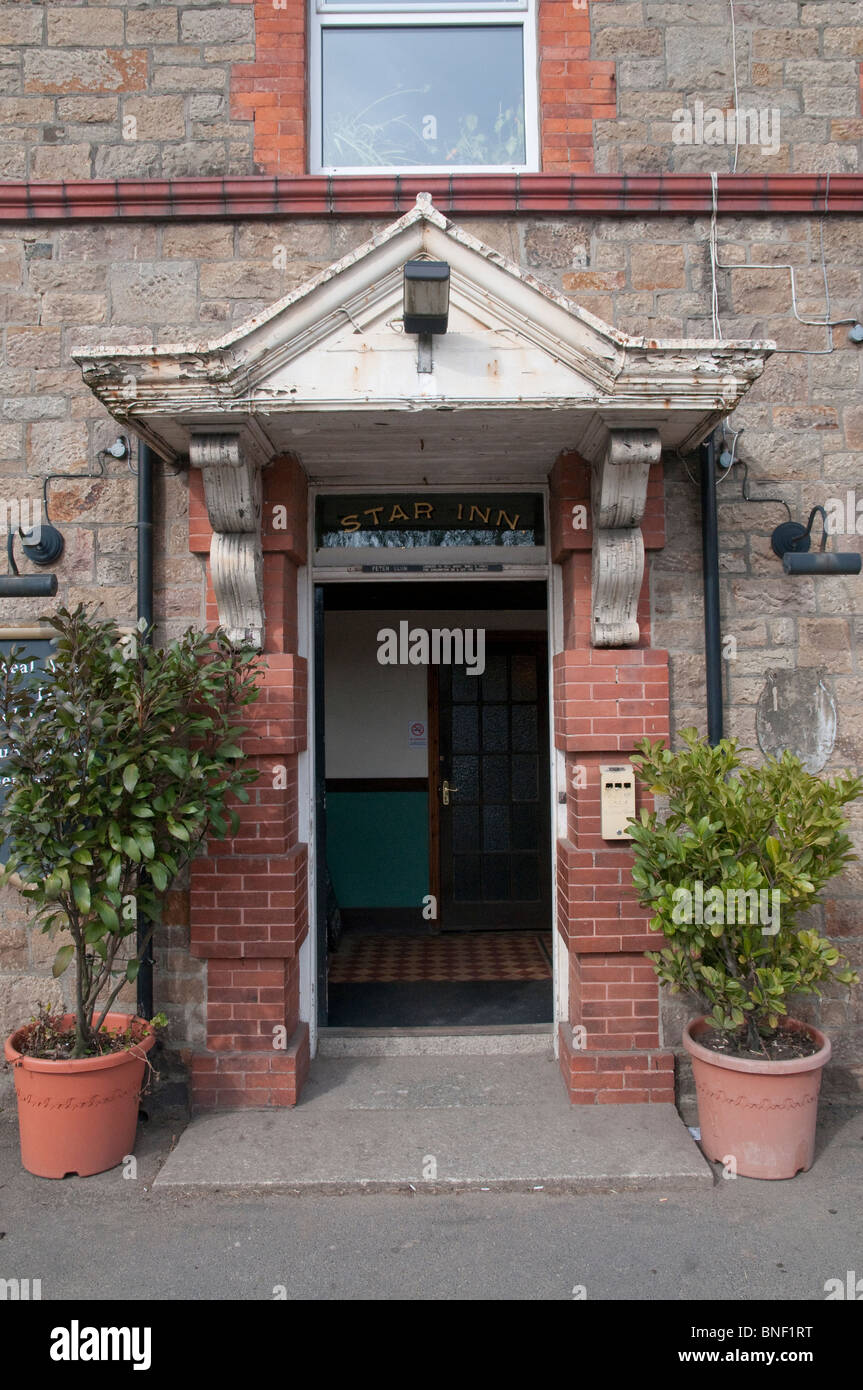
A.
pixel 525 1039
pixel 438 1124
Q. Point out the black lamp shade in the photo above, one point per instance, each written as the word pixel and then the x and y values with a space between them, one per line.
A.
pixel 426 306
pixel 822 562
pixel 28 585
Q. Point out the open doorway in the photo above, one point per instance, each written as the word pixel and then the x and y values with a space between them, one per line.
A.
pixel 433 804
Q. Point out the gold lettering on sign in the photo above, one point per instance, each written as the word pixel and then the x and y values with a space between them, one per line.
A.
pixel 424 511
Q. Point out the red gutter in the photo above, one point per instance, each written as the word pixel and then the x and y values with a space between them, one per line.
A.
pixel 465 194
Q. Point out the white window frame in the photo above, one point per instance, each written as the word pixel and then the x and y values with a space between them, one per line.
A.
pixel 373 14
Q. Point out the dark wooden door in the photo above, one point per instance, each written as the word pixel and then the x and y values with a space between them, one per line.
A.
pixel 493 753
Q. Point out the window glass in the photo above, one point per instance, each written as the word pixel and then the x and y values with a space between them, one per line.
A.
pixel 385 5
pixel 422 95
pixel 439 519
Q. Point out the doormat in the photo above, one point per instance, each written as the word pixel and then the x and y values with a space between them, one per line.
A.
pixel 474 956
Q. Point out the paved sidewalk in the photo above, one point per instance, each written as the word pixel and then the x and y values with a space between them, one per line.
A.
pixel 441 1123
pixel 116 1236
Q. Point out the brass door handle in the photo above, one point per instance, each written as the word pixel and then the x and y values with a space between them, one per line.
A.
pixel 445 792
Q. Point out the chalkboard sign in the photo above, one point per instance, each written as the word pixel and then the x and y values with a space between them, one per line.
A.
pixel 33 658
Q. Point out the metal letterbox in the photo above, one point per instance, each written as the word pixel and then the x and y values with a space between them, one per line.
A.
pixel 617 799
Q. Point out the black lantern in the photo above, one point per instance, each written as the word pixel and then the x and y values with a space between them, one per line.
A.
pixel 426 305
pixel 791 542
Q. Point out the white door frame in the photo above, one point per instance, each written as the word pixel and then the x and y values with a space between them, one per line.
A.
pixel 308 578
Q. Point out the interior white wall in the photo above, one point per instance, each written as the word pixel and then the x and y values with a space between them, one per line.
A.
pixel 369 708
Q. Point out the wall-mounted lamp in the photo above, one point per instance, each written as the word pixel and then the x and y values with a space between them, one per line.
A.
pixel 791 542
pixel 426 305
pixel 42 546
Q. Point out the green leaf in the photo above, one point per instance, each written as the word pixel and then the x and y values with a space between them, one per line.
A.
pixel 53 887
pixel 62 960
pixel 107 914
pixel 81 894
pixel 132 970
pixel 130 777
pixel 159 874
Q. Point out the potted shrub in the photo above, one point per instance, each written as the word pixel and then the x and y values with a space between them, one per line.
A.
pixel 727 870
pixel 120 761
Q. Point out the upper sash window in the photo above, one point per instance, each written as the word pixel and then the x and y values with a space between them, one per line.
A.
pixel 399 87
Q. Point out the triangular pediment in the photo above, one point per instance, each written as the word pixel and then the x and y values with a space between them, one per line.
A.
pixel 504 324
pixel 336 344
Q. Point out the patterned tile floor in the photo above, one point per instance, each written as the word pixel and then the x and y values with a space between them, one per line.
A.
pixel 504 955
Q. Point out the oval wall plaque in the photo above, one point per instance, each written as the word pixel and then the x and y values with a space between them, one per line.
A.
pixel 796 712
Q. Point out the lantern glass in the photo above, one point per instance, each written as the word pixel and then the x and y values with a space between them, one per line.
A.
pixel 426 297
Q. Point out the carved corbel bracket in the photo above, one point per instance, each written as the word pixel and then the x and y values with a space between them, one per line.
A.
pixel 618 497
pixel 233 493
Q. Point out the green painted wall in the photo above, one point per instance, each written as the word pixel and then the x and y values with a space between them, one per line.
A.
pixel 377 848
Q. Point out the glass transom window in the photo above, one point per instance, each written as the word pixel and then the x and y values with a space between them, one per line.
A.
pixel 399 87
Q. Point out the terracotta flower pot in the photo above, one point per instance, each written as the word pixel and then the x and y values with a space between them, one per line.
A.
pixel 78 1116
pixel 761 1113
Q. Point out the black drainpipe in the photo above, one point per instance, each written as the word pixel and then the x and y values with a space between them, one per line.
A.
pixel 710 563
pixel 145 611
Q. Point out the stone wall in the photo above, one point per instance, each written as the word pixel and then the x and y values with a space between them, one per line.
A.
pixel 122 90
pixel 130 90
pixel 797 66
pixel 802 441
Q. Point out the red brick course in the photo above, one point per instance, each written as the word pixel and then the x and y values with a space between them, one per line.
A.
pixel 272 89
pixel 462 195
pixel 615 1077
pixel 605 701
pixel 574 89
pixel 248 899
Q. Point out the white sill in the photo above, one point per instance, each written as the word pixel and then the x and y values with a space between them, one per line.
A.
pixel 433 171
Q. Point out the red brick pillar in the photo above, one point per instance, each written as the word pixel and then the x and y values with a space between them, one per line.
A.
pixel 605 700
pixel 249 895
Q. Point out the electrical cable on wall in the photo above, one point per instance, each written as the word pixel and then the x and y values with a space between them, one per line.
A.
pixel 826 322
pixel 736 94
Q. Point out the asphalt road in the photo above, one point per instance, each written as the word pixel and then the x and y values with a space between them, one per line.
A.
pixel 112 1237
